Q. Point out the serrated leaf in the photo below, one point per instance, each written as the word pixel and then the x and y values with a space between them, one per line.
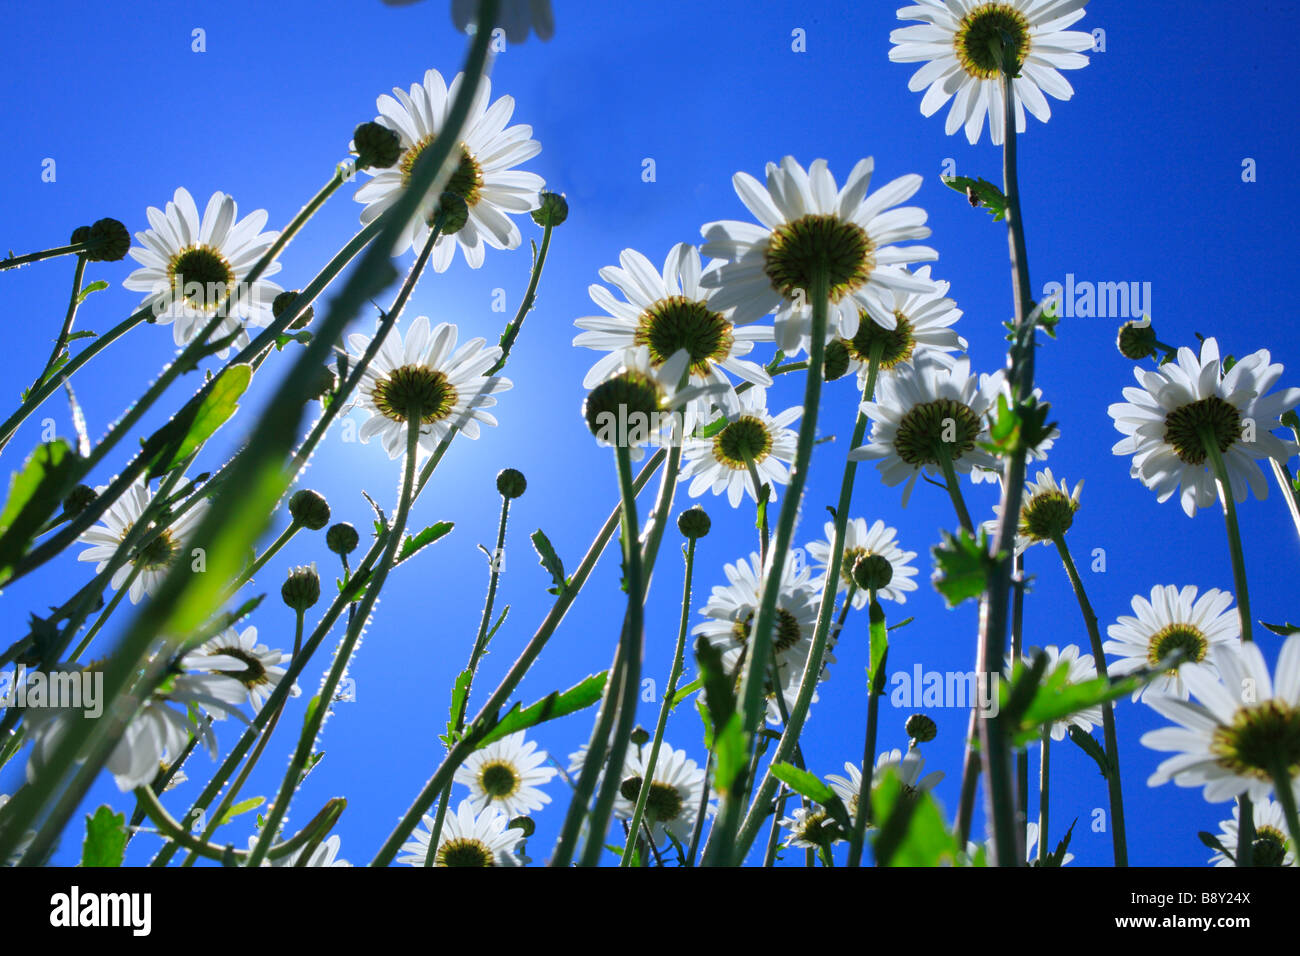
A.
pixel 1057 857
pixel 35 491
pixel 551 562
pixel 961 566
pixel 459 692
pixel 979 192
pixel 105 842
pixel 412 544
pixel 243 806
pixel 913 831
pixel 197 422
pixel 1088 744
pixel 95 286
pixel 1285 630
pixel 553 705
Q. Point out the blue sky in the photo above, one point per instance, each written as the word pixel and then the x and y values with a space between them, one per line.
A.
pixel 1137 179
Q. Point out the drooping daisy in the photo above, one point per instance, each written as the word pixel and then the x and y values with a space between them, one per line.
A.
pixel 1273 845
pixel 909 766
pixel 449 387
pixel 859 542
pixel 806 220
pixel 1047 509
pixel 924 410
pixel 516 17
pixel 484 177
pixel 467 839
pixel 676 789
pixel 922 326
pixel 1081 668
pixel 156 558
pixel 189 265
pixel 237 655
pixel 157 734
pixel 731 610
pixel 810 828
pixel 507 774
pixel 955 43
pixel 666 312
pixel 721 463
pixel 1242 724
pixel 1180 403
pixel 1172 620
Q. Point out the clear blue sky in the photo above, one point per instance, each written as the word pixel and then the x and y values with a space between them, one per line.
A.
pixel 1138 178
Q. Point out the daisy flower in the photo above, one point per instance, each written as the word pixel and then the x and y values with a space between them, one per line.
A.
pixel 859 542
pixel 667 311
pixel 1182 402
pixel 155 559
pixel 1272 843
pixel 731 610
pixel 467 839
pixel 954 43
pixel 1081 669
pixel 189 265
pixel 1048 510
pixel 1172 620
pixel 675 790
pixel 909 767
pixel 484 177
pixel 810 828
pixel 236 655
pixel 805 220
pixel 721 463
pixel 449 387
pixel 516 17
pixel 922 326
pixel 507 774
pixel 1242 725
pixel 927 408
pixel 155 736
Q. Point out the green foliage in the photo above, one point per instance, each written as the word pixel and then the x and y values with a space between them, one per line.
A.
pixel 551 562
pixel 553 705
pixel 242 807
pixel 807 784
pixel 105 842
pixel 96 286
pixel 196 422
pixel 35 492
pixel 962 565
pixel 415 543
pixel 913 831
pixel 979 192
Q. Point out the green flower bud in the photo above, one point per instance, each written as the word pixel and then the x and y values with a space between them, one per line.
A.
pixel 836 362
pixel 283 301
pixel 640 736
pixel 511 483
pixel 301 590
pixel 921 728
pixel 871 572
pixel 78 500
pixel 109 241
pixel 1136 341
pixel 454 212
pixel 554 209
pixel 309 509
pixel 522 823
pixel 342 538
pixel 694 522
pixel 324 383
pixel 80 234
pixel 376 146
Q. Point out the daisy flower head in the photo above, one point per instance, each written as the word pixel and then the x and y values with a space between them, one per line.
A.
pixel 156 735
pixel 238 655
pixel 922 325
pixel 1242 728
pixel 507 774
pixel 1172 620
pixel 1047 511
pixel 667 311
pixel 960 41
pixel 1081 669
pixel 447 385
pixel 752 435
pixel 861 541
pixel 161 552
pixel 468 838
pixel 1188 406
pixel 676 789
pixel 909 766
pixel 1273 845
pixel 731 610
pixel 484 178
pixel 807 224
pixel 811 828
pixel 927 411
pixel 189 265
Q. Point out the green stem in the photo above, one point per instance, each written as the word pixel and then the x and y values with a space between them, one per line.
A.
pixel 260 562
pixel 1113 782
pixel 105 614
pixel 13 262
pixel 877 689
pixel 78 276
pixel 1285 791
pixel 1044 789
pixel 944 454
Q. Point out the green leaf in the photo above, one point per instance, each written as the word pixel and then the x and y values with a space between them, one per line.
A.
pixel 1285 630
pixel 551 562
pixel 311 711
pixel 84 334
pixel 459 693
pixel 553 705
pixel 979 192
pixel 1210 840
pixel 35 491
pixel 718 687
pixel 1057 857
pixel 708 724
pixel 879 649
pixel 303 338
pixel 1088 744
pixel 731 761
pixel 961 566
pixel 196 423
pixel 913 831
pixel 684 692
pixel 243 806
pixel 809 785
pixel 105 842
pixel 712 428
pixel 412 544
pixel 903 623
pixel 95 286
